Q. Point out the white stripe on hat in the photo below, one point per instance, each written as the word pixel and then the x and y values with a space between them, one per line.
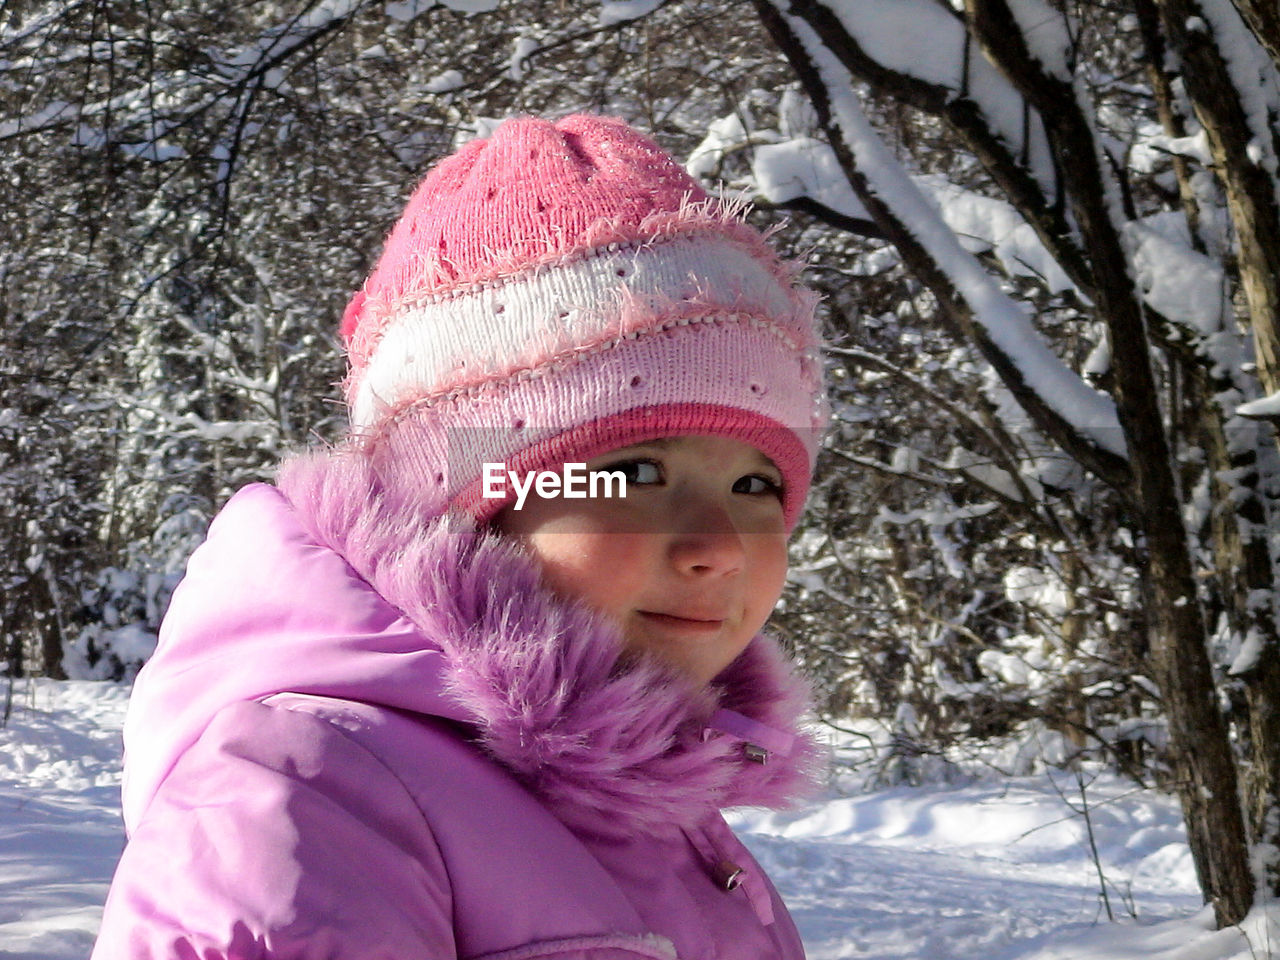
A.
pixel 491 332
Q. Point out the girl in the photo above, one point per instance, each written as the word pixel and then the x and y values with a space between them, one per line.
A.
pixel 402 710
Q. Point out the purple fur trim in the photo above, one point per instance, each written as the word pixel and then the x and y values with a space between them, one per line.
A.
pixel 609 748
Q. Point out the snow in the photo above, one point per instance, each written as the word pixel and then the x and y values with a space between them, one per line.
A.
pixel 893 31
pixel 922 40
pixel 1184 285
pixel 1149 151
pixel 1037 586
pixel 619 11
pixel 1262 409
pixel 984 223
pixel 408 10
pixel 1249 654
pixel 804 167
pixel 472 6
pixel 807 167
pixel 981 469
pixel 1252 74
pixel 52 113
pixel 522 49
pixel 723 135
pixel 1047 35
pixel 276 43
pixel 445 82
pixel 60 829
pixel 992 868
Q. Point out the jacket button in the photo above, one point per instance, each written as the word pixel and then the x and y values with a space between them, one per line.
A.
pixel 727 874
pixel 755 754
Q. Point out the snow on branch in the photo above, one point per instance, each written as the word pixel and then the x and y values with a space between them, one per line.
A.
pixel 1235 89
pixel 1264 408
pixel 922 49
pixel 276 44
pixel 621 11
pixel 165 101
pixel 1263 17
pixel 1253 75
pixel 1075 414
pixel 921 53
pixel 804 174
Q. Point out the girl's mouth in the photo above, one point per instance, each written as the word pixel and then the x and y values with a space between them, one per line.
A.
pixel 683 624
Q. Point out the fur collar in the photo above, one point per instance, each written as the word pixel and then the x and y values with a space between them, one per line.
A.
pixel 610 750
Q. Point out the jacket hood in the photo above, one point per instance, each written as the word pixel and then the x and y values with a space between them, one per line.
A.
pixel 331 585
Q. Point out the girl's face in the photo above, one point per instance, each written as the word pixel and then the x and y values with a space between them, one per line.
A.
pixel 690 563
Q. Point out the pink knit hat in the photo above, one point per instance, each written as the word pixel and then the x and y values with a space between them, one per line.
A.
pixel 559 290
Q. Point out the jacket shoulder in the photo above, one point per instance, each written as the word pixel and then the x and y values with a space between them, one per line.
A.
pixel 308 827
pixel 277 836
pixel 518 875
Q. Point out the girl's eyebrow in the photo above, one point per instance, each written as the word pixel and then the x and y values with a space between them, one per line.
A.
pixel 764 461
pixel 665 443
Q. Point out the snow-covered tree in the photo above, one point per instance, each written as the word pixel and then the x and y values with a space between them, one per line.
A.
pixel 1144 202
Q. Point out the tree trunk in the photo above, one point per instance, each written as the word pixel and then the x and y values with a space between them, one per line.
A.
pixel 1235 142
pixel 1201 751
pixel 1071 632
pixel 1171 119
pixel 1242 555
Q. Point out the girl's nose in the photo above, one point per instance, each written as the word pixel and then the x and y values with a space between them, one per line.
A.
pixel 705 542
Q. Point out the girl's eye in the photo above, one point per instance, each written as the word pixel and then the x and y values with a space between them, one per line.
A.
pixel 641 472
pixel 757 484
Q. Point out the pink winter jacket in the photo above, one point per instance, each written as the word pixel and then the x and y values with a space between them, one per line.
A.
pixel 363 738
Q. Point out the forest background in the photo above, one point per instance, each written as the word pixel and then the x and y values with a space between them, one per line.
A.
pixel 1048 237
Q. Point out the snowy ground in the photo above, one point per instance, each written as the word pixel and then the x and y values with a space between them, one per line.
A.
pixel 987 870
